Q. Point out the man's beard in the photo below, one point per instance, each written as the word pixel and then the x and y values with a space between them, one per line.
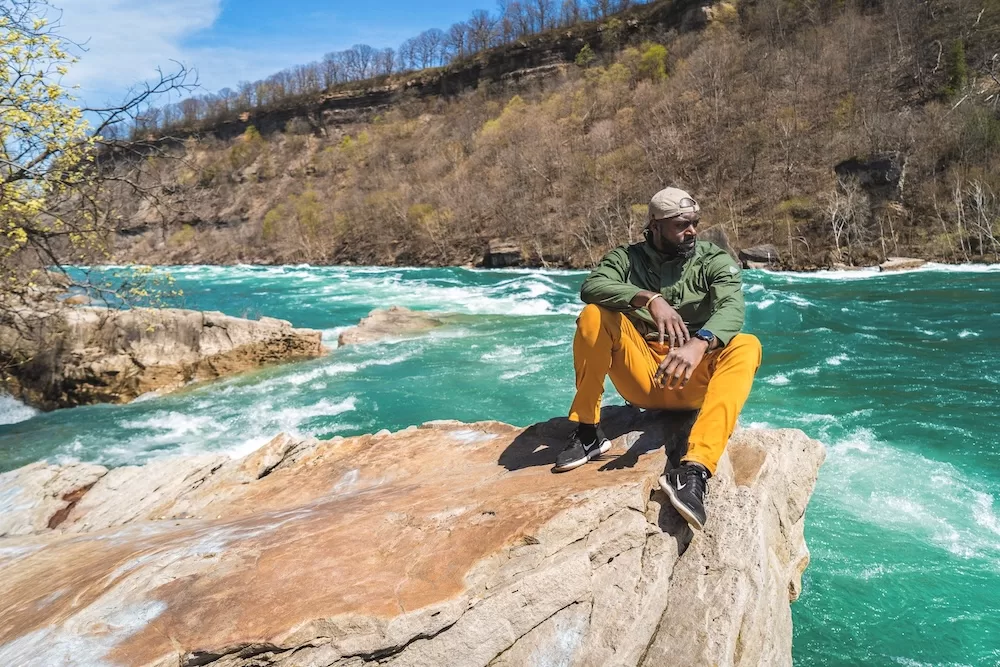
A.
pixel 683 250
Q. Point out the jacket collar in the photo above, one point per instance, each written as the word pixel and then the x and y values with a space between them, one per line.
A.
pixel 658 258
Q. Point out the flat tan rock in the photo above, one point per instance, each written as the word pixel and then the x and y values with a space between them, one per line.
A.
pixel 901 263
pixel 77 356
pixel 39 496
pixel 393 322
pixel 447 544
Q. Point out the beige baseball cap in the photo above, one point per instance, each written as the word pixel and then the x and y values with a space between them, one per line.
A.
pixel 671 202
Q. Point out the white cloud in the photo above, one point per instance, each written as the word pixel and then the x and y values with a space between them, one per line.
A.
pixel 126 40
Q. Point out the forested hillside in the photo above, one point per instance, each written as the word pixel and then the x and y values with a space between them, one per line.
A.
pixel 750 106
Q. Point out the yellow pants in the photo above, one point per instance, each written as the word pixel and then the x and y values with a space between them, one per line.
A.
pixel 607 343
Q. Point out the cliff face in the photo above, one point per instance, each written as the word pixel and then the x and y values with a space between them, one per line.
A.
pixel 777 149
pixel 446 544
pixel 77 356
pixel 518 63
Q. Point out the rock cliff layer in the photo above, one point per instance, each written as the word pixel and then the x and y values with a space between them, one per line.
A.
pixel 77 356
pixel 447 544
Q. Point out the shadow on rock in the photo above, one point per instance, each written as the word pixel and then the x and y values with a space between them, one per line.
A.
pixel 643 431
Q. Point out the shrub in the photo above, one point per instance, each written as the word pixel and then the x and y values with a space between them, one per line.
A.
pixel 958 68
pixel 585 56
pixel 652 62
pixel 182 236
pixel 247 148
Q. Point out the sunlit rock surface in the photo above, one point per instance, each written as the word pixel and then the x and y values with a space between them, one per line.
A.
pixel 77 356
pixel 392 322
pixel 447 544
pixel 901 263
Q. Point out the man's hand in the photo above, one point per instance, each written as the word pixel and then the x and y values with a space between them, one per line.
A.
pixel 678 366
pixel 668 323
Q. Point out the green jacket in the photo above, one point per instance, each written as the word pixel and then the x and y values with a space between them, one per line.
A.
pixel 705 289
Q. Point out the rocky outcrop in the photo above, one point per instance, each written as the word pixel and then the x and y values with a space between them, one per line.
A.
pixel 880 175
pixel 75 356
pixel 393 322
pixel 901 263
pixel 501 253
pixel 517 65
pixel 446 544
pixel 717 235
pixel 760 257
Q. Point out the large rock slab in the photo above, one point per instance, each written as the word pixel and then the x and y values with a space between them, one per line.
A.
pixel 447 544
pixel 76 356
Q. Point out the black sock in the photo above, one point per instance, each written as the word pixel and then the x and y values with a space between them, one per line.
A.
pixel 587 432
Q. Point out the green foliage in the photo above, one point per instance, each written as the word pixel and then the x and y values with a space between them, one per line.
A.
pixel 616 73
pixel 612 33
pixel 301 215
pixel 980 135
pixel 272 222
pixel 795 207
pixel 308 211
pixel 247 148
pixel 206 175
pixel 843 115
pixel 585 56
pixel 653 62
pixel 182 237
pixel 958 68
pixel 507 121
pixel 353 148
pixel 45 149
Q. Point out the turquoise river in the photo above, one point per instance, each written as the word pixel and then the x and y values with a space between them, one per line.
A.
pixel 898 374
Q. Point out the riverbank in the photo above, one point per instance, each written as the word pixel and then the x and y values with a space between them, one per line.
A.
pixel 928 264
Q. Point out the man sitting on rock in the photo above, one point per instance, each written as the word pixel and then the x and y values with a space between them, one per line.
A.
pixel 663 320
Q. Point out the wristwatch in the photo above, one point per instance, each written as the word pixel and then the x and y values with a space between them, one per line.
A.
pixel 705 335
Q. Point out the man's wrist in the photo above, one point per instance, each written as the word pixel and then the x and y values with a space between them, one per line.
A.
pixel 704 345
pixel 707 337
pixel 642 299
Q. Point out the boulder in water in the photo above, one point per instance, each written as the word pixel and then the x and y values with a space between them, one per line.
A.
pixel 448 544
pixel 388 323
pixel 901 263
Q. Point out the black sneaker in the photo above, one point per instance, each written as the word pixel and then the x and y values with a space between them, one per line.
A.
pixel 578 452
pixel 687 488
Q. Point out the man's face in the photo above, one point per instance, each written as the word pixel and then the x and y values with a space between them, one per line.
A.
pixel 677 234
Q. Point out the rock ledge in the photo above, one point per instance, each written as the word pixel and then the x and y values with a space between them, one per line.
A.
pixel 78 356
pixel 447 544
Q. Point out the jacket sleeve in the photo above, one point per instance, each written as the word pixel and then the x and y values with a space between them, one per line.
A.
pixel 726 294
pixel 607 285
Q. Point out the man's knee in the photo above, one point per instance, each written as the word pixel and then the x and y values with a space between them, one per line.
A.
pixel 591 319
pixel 746 346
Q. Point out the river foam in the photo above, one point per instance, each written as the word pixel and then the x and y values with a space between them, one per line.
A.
pixel 12 411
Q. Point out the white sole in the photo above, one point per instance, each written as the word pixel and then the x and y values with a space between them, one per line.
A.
pixel 594 453
pixel 681 509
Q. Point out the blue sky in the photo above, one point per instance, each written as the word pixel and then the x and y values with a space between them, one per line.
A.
pixel 229 41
